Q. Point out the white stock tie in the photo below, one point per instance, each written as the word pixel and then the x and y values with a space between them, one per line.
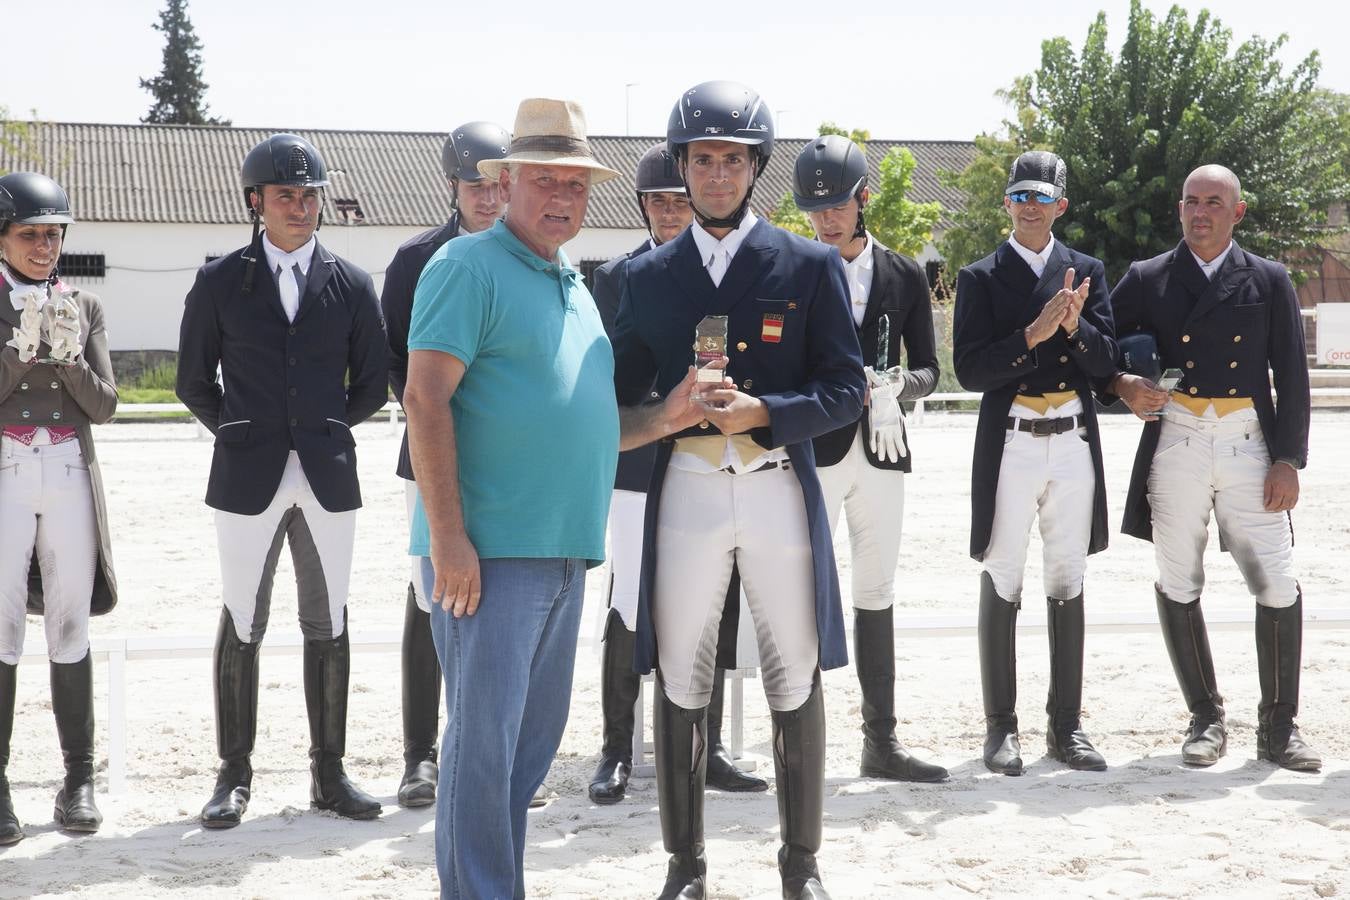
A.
pixel 718 267
pixel 288 283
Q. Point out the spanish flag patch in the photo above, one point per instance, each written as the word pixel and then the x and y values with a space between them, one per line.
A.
pixel 772 330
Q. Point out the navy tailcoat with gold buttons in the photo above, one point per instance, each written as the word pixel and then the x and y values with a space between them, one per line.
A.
pixel 792 344
pixel 996 299
pixel 1226 334
pixel 298 385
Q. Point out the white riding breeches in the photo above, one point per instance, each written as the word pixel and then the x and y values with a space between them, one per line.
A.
pixel 415 562
pixel 874 501
pixel 626 512
pixel 1205 463
pixel 47 504
pixel 756 520
pixel 321 550
pixel 1049 478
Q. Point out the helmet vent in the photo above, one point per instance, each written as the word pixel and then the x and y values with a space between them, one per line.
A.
pixel 297 163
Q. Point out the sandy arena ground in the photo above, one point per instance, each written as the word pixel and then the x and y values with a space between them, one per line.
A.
pixel 1147 827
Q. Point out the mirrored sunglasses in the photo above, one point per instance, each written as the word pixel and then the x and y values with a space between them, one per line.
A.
pixel 1024 196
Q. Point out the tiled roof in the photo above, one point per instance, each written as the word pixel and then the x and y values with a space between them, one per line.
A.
pixel 183 173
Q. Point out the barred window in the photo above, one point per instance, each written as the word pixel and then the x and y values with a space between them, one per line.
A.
pixel 349 211
pixel 83 265
pixel 587 269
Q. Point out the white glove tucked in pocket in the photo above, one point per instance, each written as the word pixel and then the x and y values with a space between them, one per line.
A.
pixel 888 423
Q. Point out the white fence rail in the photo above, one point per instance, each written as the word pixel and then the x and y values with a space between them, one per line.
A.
pixel 117 652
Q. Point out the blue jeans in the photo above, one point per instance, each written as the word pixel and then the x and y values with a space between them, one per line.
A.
pixel 508 686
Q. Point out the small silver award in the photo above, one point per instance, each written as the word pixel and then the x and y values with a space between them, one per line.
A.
pixel 710 345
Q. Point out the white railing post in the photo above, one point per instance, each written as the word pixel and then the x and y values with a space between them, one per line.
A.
pixel 117 717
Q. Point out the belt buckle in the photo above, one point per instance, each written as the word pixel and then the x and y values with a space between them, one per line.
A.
pixel 1044 427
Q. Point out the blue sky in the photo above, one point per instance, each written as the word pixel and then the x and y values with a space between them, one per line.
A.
pixel 420 66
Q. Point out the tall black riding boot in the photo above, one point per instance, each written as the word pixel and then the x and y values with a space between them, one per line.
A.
pixel 998 678
pixel 73 704
pixel 799 770
pixel 874 658
pixel 236 687
pixel 722 771
pixel 1064 737
pixel 421 704
pixel 681 758
pixel 619 686
pixel 327 668
pixel 11 832
pixel 1279 651
pixel 1183 627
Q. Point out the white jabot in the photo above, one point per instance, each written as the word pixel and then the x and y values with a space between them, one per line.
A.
pixel 859 274
pixel 1037 261
pixel 19 291
pixel 1209 268
pixel 284 266
pixel 717 254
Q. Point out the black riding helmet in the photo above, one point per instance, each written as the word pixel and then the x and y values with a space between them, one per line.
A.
pixel 30 198
pixel 468 145
pixel 722 111
pixel 656 174
pixel 830 170
pixel 280 159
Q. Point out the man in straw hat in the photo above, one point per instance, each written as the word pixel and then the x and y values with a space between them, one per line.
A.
pixel 506 344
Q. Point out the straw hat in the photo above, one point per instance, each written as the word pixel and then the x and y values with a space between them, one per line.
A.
pixel 549 132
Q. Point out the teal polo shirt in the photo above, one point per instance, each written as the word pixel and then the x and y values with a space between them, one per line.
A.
pixel 536 423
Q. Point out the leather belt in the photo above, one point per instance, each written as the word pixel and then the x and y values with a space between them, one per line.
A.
pixel 1045 427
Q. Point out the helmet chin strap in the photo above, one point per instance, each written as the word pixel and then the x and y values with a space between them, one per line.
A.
pixel 251 254
pixel 732 221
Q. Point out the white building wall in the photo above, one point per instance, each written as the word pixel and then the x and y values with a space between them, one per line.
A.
pixel 151 266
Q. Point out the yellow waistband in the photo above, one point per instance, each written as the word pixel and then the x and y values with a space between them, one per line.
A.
pixel 1197 406
pixel 1042 402
pixel 710 449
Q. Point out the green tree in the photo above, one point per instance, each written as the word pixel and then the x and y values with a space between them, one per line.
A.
pixel 898 222
pixel 18 143
pixel 1131 127
pixel 787 215
pixel 895 220
pixel 179 91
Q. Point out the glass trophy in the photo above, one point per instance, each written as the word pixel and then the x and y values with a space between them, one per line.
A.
pixel 710 345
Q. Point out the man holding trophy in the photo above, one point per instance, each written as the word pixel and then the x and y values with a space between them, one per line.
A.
pixel 740 487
